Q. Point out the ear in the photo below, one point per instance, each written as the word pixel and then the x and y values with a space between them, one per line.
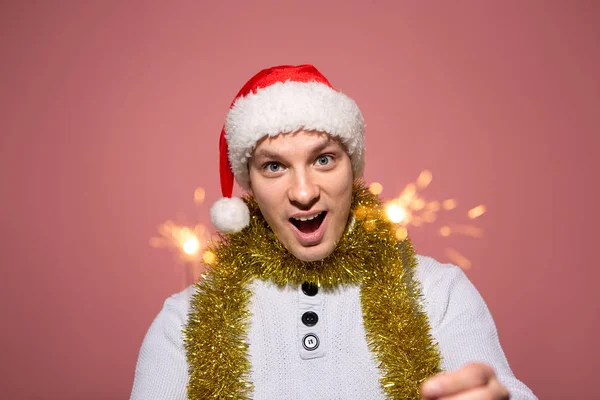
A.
pixel 249 189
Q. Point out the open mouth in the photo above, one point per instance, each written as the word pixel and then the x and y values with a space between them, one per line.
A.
pixel 309 224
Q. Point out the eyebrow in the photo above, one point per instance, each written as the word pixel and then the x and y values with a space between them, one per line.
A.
pixel 319 148
pixel 262 153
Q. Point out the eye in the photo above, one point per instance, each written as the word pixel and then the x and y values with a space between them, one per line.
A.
pixel 273 166
pixel 324 160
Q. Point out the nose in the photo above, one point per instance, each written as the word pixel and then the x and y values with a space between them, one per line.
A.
pixel 304 191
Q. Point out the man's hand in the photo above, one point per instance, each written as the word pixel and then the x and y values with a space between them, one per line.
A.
pixel 473 381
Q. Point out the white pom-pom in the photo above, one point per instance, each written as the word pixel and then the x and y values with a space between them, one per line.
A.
pixel 230 215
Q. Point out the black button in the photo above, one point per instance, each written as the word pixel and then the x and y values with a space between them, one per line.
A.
pixel 310 342
pixel 310 318
pixel 309 289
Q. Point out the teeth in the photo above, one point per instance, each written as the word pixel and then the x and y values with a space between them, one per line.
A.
pixel 308 218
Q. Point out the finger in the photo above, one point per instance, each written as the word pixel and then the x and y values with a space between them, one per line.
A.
pixel 492 391
pixel 500 391
pixel 470 376
pixel 480 393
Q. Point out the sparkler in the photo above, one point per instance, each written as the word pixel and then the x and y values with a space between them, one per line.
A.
pixel 188 243
pixel 411 208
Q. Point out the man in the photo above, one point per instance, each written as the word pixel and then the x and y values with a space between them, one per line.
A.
pixel 310 294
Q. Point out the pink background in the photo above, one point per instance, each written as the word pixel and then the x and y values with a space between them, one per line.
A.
pixel 110 118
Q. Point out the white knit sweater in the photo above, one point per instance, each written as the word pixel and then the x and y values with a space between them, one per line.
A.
pixel 341 367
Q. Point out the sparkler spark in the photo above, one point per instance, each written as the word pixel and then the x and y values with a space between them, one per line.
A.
pixel 401 233
pixel 410 208
pixel 468 230
pixel 449 204
pixel 188 242
pixel 476 211
pixel 209 257
pixel 191 246
pixel 458 258
pixel 199 195
pixel 375 188
pixel 396 212
pixel 445 231
pixel 424 179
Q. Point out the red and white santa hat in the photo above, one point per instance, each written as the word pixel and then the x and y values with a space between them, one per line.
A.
pixel 282 99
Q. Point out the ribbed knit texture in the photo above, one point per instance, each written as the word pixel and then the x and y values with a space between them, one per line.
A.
pixel 344 368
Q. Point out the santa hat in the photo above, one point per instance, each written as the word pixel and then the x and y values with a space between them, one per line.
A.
pixel 277 100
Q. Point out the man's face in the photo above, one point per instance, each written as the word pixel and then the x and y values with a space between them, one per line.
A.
pixel 303 185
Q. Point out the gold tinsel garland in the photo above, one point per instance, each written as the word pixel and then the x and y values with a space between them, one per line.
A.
pixel 368 254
